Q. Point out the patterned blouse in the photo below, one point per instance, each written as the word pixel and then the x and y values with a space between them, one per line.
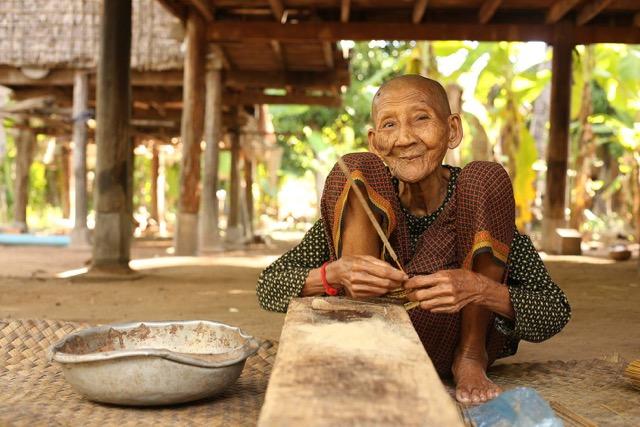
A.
pixel 541 308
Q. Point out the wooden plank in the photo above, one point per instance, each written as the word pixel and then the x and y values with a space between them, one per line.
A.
pixel 591 10
pixel 487 10
pixel 559 9
pixel 277 8
pixel 327 51
pixel 419 7
pixel 343 362
pixel 114 164
pixel 335 31
pixel 345 10
pixel 25 145
pixel 558 146
pixel 192 123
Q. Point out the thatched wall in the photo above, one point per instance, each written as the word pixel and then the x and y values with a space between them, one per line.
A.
pixel 65 33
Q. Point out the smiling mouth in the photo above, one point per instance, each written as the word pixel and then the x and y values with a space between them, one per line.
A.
pixel 411 157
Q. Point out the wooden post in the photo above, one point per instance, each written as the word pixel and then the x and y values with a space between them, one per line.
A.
pixel 25 144
pixel 248 193
pixel 558 148
pixel 209 233
pixel 80 232
pixel 155 167
pixel 343 362
pixel 234 230
pixel 186 235
pixel 114 165
pixel 64 179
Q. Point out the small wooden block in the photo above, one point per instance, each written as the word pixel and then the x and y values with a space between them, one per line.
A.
pixel 345 362
pixel 568 241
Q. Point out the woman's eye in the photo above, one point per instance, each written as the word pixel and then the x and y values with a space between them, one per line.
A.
pixel 423 117
pixel 387 125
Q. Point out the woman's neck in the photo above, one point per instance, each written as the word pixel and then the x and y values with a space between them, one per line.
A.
pixel 424 197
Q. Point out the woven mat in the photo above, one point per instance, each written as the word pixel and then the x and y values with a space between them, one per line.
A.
pixel 34 392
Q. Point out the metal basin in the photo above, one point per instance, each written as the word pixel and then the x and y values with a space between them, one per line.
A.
pixel 153 363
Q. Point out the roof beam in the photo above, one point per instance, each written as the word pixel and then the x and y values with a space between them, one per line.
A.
pixel 327 50
pixel 203 7
pixel 278 9
pixel 175 8
pixel 591 10
pixel 335 31
pixel 345 10
pixel 12 77
pixel 251 98
pixel 487 10
pixel 419 7
pixel 559 9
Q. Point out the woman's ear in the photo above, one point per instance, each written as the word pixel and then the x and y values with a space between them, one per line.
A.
pixel 371 135
pixel 455 131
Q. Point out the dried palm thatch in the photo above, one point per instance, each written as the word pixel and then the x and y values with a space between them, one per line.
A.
pixel 633 373
pixel 65 34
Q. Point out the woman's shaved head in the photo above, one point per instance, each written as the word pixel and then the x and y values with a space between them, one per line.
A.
pixel 431 88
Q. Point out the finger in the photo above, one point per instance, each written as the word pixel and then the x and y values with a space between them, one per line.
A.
pixel 366 290
pixel 454 308
pixel 365 278
pixel 381 268
pixel 424 281
pixel 437 302
pixel 431 293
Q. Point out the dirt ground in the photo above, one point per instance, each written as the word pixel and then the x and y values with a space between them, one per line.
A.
pixel 37 282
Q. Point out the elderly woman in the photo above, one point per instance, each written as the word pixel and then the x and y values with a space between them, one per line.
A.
pixel 481 286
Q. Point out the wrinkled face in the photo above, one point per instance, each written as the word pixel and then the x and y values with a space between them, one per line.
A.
pixel 412 131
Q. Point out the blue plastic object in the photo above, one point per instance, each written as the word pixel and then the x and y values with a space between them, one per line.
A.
pixel 519 407
pixel 33 240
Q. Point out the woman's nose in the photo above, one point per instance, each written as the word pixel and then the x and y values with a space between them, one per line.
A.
pixel 405 136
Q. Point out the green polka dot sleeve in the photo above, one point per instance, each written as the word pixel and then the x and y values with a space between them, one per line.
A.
pixel 284 279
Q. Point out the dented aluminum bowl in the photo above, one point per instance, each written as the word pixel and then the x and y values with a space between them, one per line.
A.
pixel 153 363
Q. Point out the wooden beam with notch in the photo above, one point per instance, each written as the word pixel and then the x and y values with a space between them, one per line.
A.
pixel 487 10
pixel 559 9
pixel 335 31
pixel 277 52
pixel 591 10
pixel 345 10
pixel 277 9
pixel 327 50
pixel 419 7
pixel 220 52
pixel 175 8
pixel 203 7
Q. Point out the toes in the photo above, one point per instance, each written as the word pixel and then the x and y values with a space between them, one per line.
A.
pixel 462 395
pixel 475 396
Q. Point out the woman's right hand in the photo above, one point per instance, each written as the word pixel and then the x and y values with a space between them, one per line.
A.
pixel 364 276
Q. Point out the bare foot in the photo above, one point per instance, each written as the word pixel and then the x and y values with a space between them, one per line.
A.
pixel 472 384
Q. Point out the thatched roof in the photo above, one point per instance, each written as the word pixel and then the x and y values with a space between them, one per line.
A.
pixel 65 34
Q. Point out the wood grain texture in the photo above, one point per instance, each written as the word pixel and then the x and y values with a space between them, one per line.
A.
pixel 344 362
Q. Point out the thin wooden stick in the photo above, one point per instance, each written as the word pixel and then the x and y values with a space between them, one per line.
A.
pixel 345 169
pixel 367 209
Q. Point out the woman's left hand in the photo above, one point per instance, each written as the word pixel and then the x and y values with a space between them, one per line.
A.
pixel 446 291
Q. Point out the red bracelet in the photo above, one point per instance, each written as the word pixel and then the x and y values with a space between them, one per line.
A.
pixel 330 290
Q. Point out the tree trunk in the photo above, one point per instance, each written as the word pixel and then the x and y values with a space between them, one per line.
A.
pixel 114 163
pixel 186 237
pixel 586 147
